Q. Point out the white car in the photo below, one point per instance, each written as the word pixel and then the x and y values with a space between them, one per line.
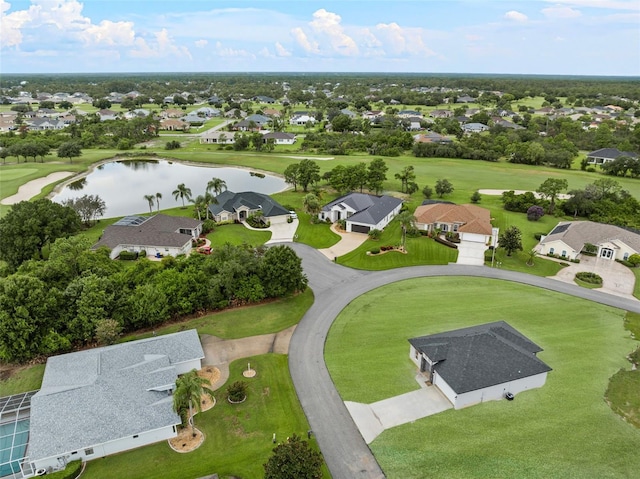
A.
pixel 293 215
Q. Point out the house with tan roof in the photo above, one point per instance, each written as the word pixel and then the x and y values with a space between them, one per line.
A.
pixel 471 222
pixel 569 238
pixel 174 124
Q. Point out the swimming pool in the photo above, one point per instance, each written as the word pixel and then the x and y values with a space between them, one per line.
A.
pixel 14 437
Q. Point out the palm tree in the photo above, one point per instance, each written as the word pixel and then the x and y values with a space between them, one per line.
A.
pixel 158 198
pixel 209 199
pixel 406 220
pixel 151 199
pixel 311 204
pixel 188 394
pixel 198 202
pixel 531 255
pixel 182 192
pixel 217 185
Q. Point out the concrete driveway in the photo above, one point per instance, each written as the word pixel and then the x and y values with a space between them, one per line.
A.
pixel 616 278
pixel 348 242
pixel 280 232
pixel 373 419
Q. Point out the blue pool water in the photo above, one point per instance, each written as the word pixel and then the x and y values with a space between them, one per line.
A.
pixel 13 445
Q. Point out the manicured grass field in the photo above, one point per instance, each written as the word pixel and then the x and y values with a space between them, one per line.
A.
pixel 237 234
pixel 420 251
pixel 23 379
pixel 237 437
pixel 245 321
pixel 564 429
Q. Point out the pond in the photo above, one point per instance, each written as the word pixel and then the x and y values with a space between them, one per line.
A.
pixel 123 184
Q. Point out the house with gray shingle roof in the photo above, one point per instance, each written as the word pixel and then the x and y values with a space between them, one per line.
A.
pixel 568 239
pixel 361 211
pixel 102 401
pixel 605 155
pixel 480 363
pixel 156 235
pixel 232 206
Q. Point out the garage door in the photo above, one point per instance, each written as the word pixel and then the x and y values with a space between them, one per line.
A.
pixel 359 229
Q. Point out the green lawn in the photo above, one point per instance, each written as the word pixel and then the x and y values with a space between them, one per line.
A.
pixel 244 321
pixel 636 287
pixel 23 379
pixel 420 251
pixel 564 429
pixel 237 234
pixel 237 437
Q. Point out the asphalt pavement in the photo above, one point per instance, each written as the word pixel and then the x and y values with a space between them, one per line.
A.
pixel 343 447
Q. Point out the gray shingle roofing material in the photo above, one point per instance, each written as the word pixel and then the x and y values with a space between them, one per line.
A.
pixel 157 230
pixel 611 153
pixel 481 356
pixel 370 209
pixel 577 233
pixel 230 201
pixel 98 395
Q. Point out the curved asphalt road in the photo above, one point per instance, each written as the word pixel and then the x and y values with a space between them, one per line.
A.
pixel 334 286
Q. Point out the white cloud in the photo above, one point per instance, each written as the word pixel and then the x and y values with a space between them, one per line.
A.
pixel 559 11
pixel 110 33
pixel 516 16
pixel 201 43
pixel 282 51
pixel 161 46
pixel 307 45
pixel 608 4
pixel 264 52
pixel 399 41
pixel 327 24
pixel 11 24
pixel 224 51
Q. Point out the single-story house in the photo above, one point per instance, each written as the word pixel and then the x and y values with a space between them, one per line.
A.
pixel 474 127
pixel 264 99
pixel 479 363
pixel 102 401
pixel 302 118
pixel 106 115
pixel 157 234
pixel 218 137
pixel 409 114
pixel 431 137
pixel 465 99
pixel 361 211
pixel 280 137
pixel 174 124
pixel 569 238
pixel 471 222
pixel 605 155
pixel 239 206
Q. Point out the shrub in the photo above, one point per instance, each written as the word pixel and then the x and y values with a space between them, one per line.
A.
pixel 374 234
pixel 628 264
pixel 476 197
pixel 72 471
pixel 342 224
pixel 207 226
pixel 591 169
pixel 172 145
pixel 534 213
pixel 538 236
pixel 375 251
pixel 590 249
pixel 237 391
pixel 634 259
pixel 589 277
pixel 413 232
pixel 143 253
pixel 128 256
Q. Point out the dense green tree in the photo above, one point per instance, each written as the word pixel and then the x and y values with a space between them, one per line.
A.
pixel 182 192
pixel 29 226
pixel 550 189
pixel 443 187
pixel 292 175
pixel 69 149
pixel 281 272
pixel 308 173
pixel 90 298
pixel 88 207
pixel 341 123
pixel 377 175
pixel 511 240
pixel 294 459
pixel 311 204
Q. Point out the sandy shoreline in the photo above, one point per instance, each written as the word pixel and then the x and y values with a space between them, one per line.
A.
pixel 34 187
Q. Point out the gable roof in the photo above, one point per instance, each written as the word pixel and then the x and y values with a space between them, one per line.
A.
pixel 369 209
pixel 481 356
pixel 610 153
pixel 474 219
pixel 231 202
pixel 157 230
pixel 103 394
pixel 577 233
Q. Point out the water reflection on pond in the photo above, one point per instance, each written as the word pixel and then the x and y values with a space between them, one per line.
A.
pixel 123 184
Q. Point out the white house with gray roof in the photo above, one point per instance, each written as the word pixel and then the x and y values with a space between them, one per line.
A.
pixel 157 234
pixel 480 363
pixel 569 238
pixel 361 211
pixel 107 400
pixel 232 206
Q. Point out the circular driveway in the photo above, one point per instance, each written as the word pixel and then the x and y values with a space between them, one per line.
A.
pixel 343 447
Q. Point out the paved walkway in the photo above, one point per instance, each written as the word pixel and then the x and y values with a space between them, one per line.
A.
pixel 344 448
pixel 348 242
pixel 220 352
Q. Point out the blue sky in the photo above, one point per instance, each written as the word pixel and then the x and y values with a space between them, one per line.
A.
pixel 568 37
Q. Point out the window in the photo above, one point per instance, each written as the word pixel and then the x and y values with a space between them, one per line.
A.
pixel 88 451
pixel 551 250
pixel 455 227
pixel 445 227
pixel 564 253
pixel 626 256
pixel 417 354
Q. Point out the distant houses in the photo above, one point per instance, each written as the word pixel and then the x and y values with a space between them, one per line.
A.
pixel 605 155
